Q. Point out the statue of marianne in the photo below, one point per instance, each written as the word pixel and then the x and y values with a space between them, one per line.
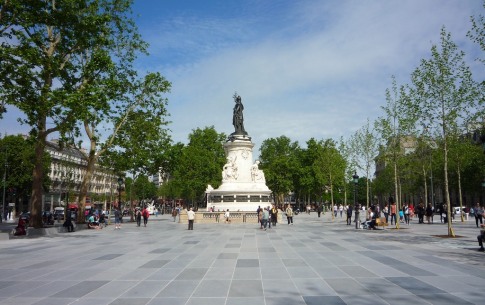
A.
pixel 237 117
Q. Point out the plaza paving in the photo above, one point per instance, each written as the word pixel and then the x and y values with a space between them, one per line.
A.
pixel 316 261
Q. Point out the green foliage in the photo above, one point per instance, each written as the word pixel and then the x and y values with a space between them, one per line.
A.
pixel 198 164
pixel 279 162
pixel 68 62
pixel 17 157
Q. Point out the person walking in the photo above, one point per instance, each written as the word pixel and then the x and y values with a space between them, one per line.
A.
pixel 117 219
pixel 393 212
pixel 138 217
pixel 289 214
pixel 191 218
pixel 478 214
pixel 265 218
pixel 174 214
pixel 227 216
pixel 429 213
pixel 385 211
pixel 406 213
pixel 145 215
pixel 349 215
pixel 274 215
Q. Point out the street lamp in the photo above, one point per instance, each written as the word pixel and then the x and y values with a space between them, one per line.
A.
pixel 120 185
pixel 355 179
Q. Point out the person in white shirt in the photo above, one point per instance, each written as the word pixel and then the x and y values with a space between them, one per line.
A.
pixel 227 215
pixel 191 217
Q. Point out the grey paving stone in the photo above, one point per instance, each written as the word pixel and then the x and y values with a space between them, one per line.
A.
pixel 316 261
pixel 246 288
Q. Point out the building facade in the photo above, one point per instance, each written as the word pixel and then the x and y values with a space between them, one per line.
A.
pixel 68 168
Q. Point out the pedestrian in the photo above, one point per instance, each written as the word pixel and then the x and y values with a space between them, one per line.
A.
pixel 68 223
pixel 102 220
pixel 429 212
pixel 478 214
pixel 191 217
pixel 319 210
pixel 406 213
pixel 335 210
pixel 421 212
pixel 138 217
pixel 349 215
pixel 227 215
pixel 481 238
pixel 118 216
pixel 274 215
pixel 289 214
pixel 393 212
pixel 174 214
pixel 341 210
pixel 259 211
pixel 145 215
pixel 385 210
pixel 265 218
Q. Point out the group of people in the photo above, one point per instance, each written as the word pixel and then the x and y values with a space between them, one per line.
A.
pixel 96 221
pixel 139 214
pixel 268 216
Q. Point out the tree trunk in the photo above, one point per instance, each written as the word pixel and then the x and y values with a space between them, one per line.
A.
pixel 459 194
pixel 425 187
pixel 91 162
pixel 396 189
pixel 37 181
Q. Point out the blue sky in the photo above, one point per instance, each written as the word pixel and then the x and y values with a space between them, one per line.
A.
pixel 306 68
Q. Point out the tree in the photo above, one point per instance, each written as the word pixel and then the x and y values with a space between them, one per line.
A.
pixel 278 160
pixel 364 145
pixel 443 95
pixel 16 161
pixel 138 137
pixel 63 61
pixel 200 163
pixel 393 128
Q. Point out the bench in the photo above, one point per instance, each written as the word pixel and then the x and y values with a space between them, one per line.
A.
pixel 381 222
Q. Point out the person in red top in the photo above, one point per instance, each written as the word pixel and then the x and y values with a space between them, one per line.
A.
pixel 393 212
pixel 145 215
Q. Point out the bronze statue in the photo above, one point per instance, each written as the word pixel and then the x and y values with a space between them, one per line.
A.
pixel 237 117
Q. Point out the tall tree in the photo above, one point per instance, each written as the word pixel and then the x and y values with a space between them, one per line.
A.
pixel 278 160
pixel 393 128
pixel 16 162
pixel 138 133
pixel 200 163
pixel 62 62
pixel 443 95
pixel 364 145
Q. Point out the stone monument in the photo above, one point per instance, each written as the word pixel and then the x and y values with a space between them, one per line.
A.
pixel 243 185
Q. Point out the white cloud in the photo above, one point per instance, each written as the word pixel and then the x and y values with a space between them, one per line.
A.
pixel 303 68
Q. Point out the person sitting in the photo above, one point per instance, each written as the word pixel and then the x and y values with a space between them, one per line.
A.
pixel 20 228
pixel 92 223
pixel 371 219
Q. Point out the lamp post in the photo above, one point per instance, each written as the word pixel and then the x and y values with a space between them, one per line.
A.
pixel 355 179
pixel 120 185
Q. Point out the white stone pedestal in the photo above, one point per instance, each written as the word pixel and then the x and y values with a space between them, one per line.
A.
pixel 243 185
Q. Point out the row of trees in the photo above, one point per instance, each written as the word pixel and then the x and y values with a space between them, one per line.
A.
pixel 435 115
pixel 428 126
pixel 69 67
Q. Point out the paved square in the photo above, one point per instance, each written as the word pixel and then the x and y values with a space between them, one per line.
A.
pixel 315 261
